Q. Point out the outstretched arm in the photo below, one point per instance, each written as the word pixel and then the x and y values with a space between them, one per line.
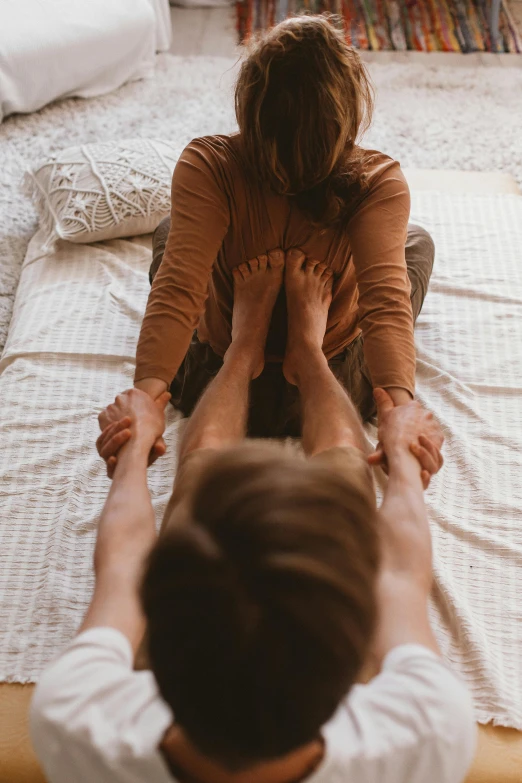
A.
pixel 200 216
pixel 406 573
pixel 127 528
pixel 377 233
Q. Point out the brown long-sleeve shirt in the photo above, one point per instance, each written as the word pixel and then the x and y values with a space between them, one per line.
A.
pixel 220 219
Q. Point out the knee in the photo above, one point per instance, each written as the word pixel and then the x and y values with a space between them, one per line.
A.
pixel 421 242
pixel 161 232
pixel 420 255
pixel 159 240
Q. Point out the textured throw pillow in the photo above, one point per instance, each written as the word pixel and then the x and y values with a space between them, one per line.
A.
pixel 103 191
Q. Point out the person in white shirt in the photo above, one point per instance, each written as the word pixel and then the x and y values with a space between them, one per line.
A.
pixel 274 582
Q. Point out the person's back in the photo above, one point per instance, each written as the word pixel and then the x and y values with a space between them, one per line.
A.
pixel 262 601
pixel 294 176
pixel 213 168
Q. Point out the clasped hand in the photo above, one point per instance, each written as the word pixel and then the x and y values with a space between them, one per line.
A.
pixel 409 427
pixel 133 414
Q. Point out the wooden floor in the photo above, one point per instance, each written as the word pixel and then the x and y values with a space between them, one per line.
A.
pixel 204 31
pixel 211 32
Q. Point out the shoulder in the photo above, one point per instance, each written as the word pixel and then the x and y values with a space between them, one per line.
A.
pixel 379 166
pixel 211 162
pixel 385 180
pixel 214 151
pixel 411 723
pixel 90 700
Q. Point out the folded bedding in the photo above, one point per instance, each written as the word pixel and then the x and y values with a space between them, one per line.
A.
pixel 71 348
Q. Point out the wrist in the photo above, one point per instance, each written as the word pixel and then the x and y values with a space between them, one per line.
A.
pixel 154 387
pixel 412 585
pixel 399 395
pixel 137 447
pixel 402 463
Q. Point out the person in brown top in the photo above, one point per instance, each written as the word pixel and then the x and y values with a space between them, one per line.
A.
pixel 293 178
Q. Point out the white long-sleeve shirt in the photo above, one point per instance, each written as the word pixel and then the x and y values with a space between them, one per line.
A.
pixel 95 720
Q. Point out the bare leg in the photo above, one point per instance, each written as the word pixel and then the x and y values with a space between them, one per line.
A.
pixel 329 417
pixel 220 417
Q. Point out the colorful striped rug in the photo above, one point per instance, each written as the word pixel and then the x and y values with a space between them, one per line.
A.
pixel 422 25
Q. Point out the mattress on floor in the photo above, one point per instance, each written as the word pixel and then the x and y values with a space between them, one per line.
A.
pixel 71 348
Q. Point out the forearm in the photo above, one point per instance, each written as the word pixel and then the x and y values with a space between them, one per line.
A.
pixel 403 617
pixel 126 534
pixel 127 524
pixel 406 577
pixel 404 496
pixel 389 352
pixel 166 332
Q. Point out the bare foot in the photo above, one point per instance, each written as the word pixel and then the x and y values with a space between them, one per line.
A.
pixel 308 287
pixel 256 286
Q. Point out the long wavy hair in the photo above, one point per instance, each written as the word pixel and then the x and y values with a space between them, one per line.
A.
pixel 302 99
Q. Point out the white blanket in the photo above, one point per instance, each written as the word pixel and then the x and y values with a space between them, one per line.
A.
pixel 53 49
pixel 71 349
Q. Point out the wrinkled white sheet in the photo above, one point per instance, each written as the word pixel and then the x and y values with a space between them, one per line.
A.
pixel 53 49
pixel 71 348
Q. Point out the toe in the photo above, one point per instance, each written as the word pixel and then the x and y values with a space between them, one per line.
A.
pixel 294 260
pixel 320 269
pixel 311 266
pixel 243 270
pixel 276 259
pixel 253 265
pixel 263 261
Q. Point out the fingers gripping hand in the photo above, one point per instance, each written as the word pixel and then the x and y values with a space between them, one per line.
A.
pixel 429 457
pixel 133 412
pixel 142 409
pixel 411 427
pixel 113 437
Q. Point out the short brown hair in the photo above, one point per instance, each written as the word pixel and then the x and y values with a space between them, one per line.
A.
pixel 302 98
pixel 261 604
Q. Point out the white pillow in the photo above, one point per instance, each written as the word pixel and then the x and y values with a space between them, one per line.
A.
pixel 103 191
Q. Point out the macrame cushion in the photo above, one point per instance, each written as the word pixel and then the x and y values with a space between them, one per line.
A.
pixel 103 191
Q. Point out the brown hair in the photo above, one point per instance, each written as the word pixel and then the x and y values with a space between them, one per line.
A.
pixel 261 604
pixel 302 98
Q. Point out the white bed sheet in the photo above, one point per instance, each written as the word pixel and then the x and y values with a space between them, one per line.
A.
pixel 71 348
pixel 53 49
